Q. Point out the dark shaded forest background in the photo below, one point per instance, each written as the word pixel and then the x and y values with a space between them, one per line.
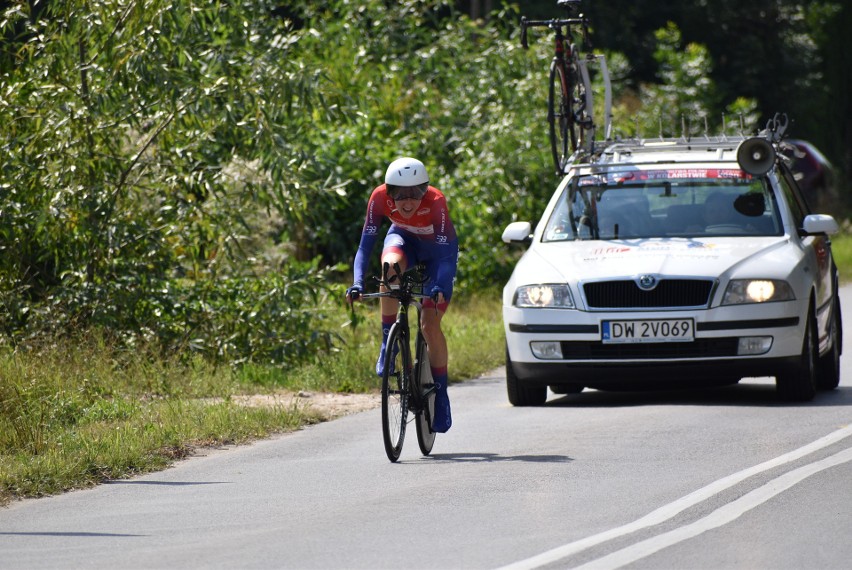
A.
pixel 193 175
pixel 792 57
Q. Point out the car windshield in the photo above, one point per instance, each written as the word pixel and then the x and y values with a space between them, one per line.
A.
pixel 649 204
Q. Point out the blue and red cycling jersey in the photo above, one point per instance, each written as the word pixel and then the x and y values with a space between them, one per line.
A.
pixel 428 237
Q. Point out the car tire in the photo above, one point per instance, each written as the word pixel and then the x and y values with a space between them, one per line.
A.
pixel 799 382
pixel 828 366
pixel 521 393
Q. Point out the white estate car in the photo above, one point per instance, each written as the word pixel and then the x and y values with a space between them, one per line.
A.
pixel 674 262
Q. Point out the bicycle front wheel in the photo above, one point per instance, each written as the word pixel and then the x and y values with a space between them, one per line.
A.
pixel 563 133
pixel 424 382
pixel 395 382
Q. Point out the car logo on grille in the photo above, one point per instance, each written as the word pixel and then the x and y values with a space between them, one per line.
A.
pixel 646 282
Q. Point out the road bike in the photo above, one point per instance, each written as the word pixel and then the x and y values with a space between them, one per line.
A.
pixel 407 384
pixel 570 108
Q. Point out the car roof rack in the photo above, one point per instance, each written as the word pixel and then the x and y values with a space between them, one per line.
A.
pixel 620 151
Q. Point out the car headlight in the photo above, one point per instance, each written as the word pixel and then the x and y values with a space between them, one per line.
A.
pixel 544 297
pixel 742 291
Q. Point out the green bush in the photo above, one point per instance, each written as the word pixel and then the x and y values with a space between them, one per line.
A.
pixel 190 174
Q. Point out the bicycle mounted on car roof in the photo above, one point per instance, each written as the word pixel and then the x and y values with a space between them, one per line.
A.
pixel 570 103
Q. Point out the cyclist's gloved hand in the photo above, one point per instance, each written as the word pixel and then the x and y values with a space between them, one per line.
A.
pixel 353 293
pixel 437 294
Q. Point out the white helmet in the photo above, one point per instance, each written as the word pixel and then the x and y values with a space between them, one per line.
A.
pixel 406 171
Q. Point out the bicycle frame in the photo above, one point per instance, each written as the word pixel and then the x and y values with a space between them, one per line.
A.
pixel 407 295
pixel 415 386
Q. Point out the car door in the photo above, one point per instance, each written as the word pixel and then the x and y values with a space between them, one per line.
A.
pixel 819 254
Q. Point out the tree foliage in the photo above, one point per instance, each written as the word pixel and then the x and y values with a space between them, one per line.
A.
pixel 789 56
pixel 418 79
pixel 135 193
pixel 197 172
pixel 685 102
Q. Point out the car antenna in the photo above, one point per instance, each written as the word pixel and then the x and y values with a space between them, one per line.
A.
pixel 661 126
pixel 706 129
pixel 724 127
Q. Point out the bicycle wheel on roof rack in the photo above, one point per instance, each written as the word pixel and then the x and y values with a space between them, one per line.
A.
pixel 560 115
pixel 581 114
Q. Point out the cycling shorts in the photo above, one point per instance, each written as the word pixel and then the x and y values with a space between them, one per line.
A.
pixel 440 260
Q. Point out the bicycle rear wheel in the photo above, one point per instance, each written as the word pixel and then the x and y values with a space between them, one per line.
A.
pixel 563 135
pixel 395 382
pixel 424 382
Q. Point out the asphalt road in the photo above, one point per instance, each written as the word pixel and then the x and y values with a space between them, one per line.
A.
pixel 713 478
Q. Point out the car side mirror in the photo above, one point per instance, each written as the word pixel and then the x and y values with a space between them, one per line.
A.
pixel 518 232
pixel 820 224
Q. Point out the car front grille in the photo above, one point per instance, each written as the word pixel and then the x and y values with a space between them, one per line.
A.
pixel 699 348
pixel 669 293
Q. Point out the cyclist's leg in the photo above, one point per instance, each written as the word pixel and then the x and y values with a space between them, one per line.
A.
pixel 393 254
pixel 395 251
pixel 430 323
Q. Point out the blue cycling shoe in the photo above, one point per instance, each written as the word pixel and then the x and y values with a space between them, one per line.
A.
pixel 380 363
pixel 443 419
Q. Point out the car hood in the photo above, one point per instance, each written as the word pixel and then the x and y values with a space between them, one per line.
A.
pixel 707 257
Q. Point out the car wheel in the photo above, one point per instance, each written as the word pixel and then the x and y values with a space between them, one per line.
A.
pixel 566 388
pixel 828 366
pixel 798 383
pixel 521 393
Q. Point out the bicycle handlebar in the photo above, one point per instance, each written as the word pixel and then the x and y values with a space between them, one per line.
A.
pixel 395 293
pixel 553 24
pixel 407 281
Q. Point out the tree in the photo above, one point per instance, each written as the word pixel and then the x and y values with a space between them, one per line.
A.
pixel 831 113
pixel 136 135
pixel 789 56
pixel 684 101
pixel 477 9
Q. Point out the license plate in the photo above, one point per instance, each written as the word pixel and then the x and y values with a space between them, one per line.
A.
pixel 650 330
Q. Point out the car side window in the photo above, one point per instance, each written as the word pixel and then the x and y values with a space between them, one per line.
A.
pixel 797 191
pixel 794 201
pixel 559 227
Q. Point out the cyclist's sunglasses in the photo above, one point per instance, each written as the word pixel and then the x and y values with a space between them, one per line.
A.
pixel 407 192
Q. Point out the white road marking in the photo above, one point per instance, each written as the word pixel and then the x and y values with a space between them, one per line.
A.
pixel 671 510
pixel 717 518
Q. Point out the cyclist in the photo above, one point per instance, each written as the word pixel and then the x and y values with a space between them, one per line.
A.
pixel 420 232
